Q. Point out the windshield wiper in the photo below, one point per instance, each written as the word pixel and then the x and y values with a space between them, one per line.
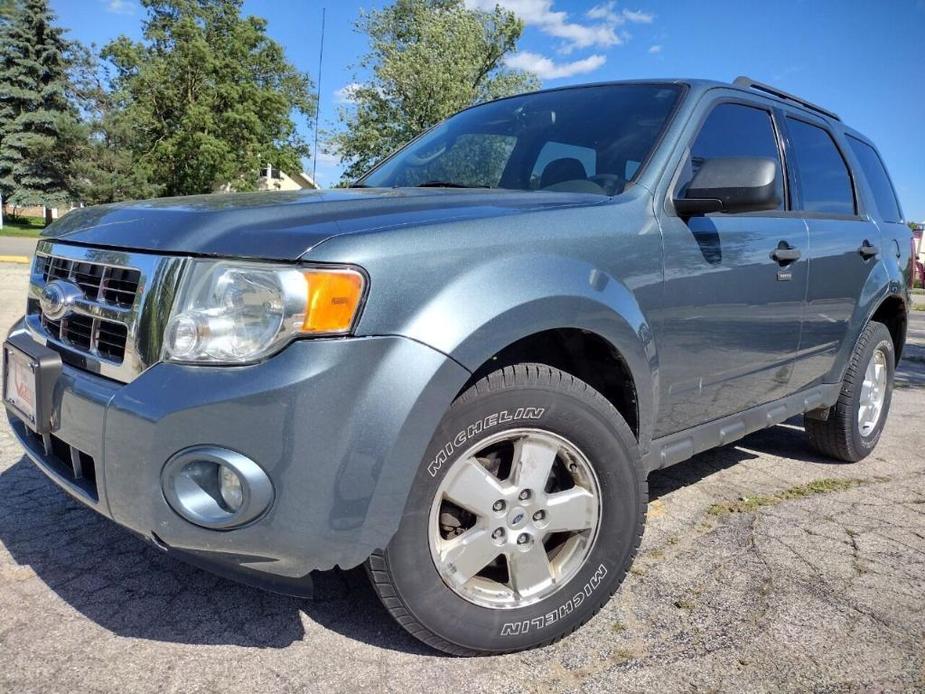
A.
pixel 445 184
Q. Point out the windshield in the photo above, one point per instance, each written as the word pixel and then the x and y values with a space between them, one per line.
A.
pixel 582 140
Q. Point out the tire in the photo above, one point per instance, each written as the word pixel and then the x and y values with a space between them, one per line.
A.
pixel 533 405
pixel 841 436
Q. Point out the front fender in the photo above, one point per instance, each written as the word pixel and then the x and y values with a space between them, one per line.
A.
pixel 483 310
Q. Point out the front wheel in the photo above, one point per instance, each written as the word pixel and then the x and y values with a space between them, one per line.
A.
pixel 856 421
pixel 523 519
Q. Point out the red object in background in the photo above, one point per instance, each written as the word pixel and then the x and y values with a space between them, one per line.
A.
pixel 918 269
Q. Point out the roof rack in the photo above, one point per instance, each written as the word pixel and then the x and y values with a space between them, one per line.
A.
pixel 749 83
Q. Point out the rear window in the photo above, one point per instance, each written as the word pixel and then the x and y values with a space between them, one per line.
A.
pixel 824 178
pixel 877 179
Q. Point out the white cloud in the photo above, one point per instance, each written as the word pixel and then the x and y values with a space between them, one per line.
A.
pixel 600 32
pixel 344 95
pixel 607 12
pixel 638 17
pixel 657 48
pixel 546 69
pixel 121 7
pixel 540 14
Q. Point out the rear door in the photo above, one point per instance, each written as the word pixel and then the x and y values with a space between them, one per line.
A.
pixel 844 244
pixel 729 327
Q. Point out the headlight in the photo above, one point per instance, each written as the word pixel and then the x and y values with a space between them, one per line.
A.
pixel 234 313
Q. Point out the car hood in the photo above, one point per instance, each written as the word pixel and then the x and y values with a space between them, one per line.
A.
pixel 286 225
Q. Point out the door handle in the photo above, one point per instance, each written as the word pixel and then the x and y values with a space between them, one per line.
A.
pixel 868 250
pixel 785 254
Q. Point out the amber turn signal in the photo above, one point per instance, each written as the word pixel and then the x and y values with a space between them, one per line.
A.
pixel 334 298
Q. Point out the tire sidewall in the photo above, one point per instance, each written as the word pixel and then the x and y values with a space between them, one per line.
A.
pixel 880 340
pixel 616 462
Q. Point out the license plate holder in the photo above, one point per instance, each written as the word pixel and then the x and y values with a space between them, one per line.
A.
pixel 30 374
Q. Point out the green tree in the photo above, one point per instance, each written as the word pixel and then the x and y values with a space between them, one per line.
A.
pixel 37 119
pixel 106 168
pixel 7 8
pixel 427 60
pixel 205 99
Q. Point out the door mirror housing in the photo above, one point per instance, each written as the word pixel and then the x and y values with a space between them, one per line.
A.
pixel 731 184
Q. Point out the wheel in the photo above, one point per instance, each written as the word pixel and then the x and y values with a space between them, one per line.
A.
pixel 523 518
pixel 853 427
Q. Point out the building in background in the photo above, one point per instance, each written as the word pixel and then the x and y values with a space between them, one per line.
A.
pixel 275 179
pixel 918 232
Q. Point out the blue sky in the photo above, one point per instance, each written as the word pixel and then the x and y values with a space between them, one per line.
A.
pixel 864 60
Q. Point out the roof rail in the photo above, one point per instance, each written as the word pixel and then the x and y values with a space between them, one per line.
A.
pixel 749 83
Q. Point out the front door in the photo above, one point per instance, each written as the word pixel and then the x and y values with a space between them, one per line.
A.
pixel 728 329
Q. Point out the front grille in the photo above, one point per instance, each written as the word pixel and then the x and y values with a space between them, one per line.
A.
pixel 119 302
pixel 101 284
pixel 110 340
pixel 113 285
pixel 68 462
pixel 103 337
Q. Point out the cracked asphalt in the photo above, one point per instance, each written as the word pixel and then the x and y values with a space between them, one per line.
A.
pixel 818 591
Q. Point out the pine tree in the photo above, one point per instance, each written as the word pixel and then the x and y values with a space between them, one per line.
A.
pixel 35 113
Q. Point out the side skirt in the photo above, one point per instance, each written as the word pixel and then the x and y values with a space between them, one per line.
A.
pixel 675 448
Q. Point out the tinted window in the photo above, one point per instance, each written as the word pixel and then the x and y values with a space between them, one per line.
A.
pixel 877 179
pixel 824 178
pixel 734 130
pixel 578 140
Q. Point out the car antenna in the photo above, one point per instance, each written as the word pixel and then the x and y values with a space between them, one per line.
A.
pixel 318 101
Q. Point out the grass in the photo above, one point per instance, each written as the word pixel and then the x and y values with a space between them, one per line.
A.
pixel 918 307
pixel 750 504
pixel 623 655
pixel 25 227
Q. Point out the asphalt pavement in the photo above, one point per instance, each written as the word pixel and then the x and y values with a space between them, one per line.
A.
pixel 15 249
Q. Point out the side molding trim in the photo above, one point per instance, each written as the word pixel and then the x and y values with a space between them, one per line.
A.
pixel 675 448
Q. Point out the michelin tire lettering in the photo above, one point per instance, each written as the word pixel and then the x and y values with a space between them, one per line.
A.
pixel 543 621
pixel 476 428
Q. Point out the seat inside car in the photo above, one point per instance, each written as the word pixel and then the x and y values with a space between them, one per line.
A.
pixel 562 170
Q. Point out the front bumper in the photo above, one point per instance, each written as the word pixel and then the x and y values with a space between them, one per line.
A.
pixel 340 427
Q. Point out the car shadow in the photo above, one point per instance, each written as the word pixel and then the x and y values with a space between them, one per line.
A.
pixel 786 440
pixel 133 589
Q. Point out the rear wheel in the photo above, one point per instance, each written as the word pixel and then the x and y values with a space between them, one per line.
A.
pixel 856 421
pixel 523 518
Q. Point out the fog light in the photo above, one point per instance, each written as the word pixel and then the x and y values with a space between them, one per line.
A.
pixel 216 488
pixel 229 484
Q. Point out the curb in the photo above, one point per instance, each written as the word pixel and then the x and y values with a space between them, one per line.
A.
pixel 18 259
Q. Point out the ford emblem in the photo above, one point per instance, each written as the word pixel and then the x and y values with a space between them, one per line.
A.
pixel 57 297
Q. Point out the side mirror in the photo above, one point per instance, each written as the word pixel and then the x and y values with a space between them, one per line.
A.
pixel 731 184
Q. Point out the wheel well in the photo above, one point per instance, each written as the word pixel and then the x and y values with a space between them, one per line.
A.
pixel 892 313
pixel 584 355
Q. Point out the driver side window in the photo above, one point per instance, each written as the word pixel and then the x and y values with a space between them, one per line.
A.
pixel 735 130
